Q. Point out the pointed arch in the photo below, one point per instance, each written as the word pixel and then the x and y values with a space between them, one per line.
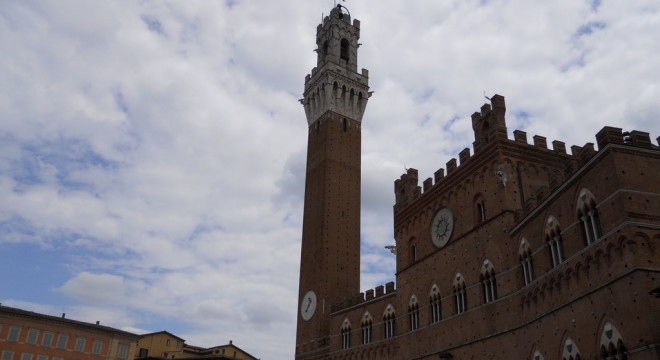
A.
pixel 537 355
pixel 413 311
pixel 525 255
pixel 489 285
pixel 346 334
pixel 367 324
pixel 459 293
pixel 611 343
pixel 434 299
pixel 588 216
pixel 389 318
pixel 570 350
pixel 554 240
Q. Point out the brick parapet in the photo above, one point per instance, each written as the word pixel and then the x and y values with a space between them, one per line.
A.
pixel 579 156
pixel 364 297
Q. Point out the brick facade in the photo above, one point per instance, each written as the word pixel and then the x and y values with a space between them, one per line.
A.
pixel 551 255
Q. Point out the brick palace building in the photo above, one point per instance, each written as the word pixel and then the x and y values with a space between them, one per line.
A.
pixel 517 251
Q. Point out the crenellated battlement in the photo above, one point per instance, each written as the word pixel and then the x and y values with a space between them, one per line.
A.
pixel 406 188
pixel 489 124
pixel 363 297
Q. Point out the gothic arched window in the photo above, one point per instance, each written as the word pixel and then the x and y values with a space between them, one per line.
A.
pixel 346 334
pixel 611 344
pixel 555 241
pixel 525 253
pixel 488 280
pixel 537 356
pixel 413 308
pixel 389 319
pixel 588 214
pixel 570 351
pixel 366 328
pixel 436 310
pixel 459 294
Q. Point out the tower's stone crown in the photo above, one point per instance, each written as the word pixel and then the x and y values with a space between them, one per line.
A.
pixel 334 84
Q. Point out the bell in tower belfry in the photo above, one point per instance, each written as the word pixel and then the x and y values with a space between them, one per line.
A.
pixel 335 98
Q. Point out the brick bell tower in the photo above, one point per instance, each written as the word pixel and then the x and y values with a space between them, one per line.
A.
pixel 335 98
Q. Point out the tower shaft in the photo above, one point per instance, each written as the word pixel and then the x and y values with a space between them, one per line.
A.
pixel 335 98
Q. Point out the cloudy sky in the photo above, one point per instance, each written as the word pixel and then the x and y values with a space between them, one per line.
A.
pixel 152 153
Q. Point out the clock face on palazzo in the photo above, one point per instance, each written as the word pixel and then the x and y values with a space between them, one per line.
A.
pixel 441 227
pixel 308 305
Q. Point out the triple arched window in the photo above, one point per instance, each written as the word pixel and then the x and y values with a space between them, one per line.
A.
pixel 460 295
pixel 555 241
pixel 413 311
pixel 389 319
pixel 436 310
pixel 367 323
pixel 588 214
pixel 525 253
pixel 488 281
pixel 346 334
pixel 611 344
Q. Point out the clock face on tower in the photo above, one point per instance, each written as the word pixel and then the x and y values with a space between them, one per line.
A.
pixel 308 305
pixel 442 226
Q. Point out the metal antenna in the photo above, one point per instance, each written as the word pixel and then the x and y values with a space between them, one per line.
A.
pixel 486 96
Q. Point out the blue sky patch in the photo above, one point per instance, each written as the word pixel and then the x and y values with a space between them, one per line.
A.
pixel 446 127
pixel 589 28
pixel 120 101
pixel 522 116
pixel 575 62
pixel 58 158
pixel 426 95
pixel 44 268
pixel 153 24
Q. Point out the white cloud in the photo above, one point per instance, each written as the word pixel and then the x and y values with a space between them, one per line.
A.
pixel 95 288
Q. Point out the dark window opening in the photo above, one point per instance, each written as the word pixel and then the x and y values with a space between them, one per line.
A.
pixel 413 251
pixel 591 226
pixel 436 313
pixel 490 288
pixel 344 49
pixel 344 124
pixel 346 338
pixel 481 210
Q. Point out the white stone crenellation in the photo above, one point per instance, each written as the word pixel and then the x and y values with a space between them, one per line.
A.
pixel 334 84
pixel 331 91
